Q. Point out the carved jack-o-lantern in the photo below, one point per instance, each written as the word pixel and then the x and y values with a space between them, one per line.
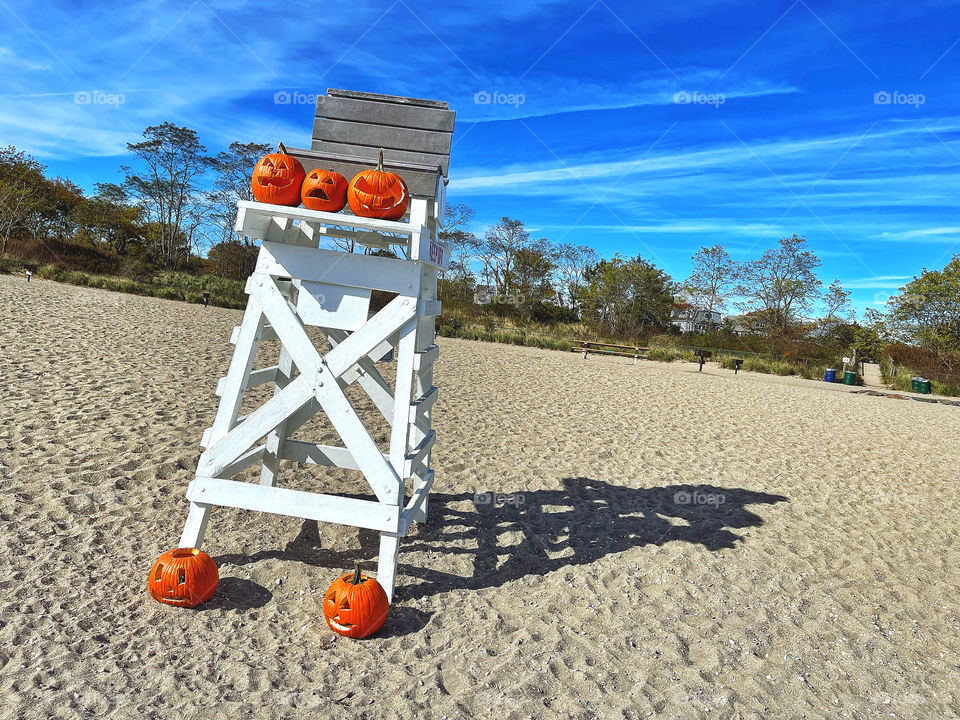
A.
pixel 184 577
pixel 277 179
pixel 378 194
pixel 355 605
pixel 324 190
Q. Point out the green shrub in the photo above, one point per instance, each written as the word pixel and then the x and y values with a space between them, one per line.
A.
pixel 662 354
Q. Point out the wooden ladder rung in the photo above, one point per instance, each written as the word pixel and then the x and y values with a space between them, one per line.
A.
pixel 423 403
pixel 425 356
pixel 415 457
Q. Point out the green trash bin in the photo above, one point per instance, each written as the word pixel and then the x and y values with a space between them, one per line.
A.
pixel 915 383
pixel 924 386
pixel 849 377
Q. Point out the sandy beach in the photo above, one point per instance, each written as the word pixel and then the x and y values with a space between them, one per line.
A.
pixel 605 540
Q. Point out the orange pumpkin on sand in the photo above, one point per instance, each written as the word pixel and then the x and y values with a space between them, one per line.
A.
pixel 355 605
pixel 183 577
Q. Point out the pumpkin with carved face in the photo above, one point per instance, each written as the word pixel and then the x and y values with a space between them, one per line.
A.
pixel 184 577
pixel 378 194
pixel 324 190
pixel 277 179
pixel 355 605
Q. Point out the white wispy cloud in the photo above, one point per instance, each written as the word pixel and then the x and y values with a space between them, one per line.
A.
pixel 503 99
pixel 879 282
pixel 21 61
pixel 935 235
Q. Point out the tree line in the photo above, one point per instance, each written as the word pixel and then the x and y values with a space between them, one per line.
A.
pixel 175 201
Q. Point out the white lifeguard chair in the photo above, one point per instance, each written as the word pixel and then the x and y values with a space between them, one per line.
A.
pixel 296 284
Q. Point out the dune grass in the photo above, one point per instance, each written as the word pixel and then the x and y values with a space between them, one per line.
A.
pixel 166 285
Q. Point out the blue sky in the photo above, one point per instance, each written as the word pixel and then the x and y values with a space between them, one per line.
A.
pixel 633 127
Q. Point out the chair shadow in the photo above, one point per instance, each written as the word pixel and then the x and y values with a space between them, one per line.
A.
pixel 237 594
pixel 577 524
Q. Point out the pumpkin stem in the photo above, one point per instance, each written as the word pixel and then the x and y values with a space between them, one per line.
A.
pixel 380 161
pixel 281 148
pixel 356 574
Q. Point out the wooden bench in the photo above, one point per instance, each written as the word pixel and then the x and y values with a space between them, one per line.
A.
pixel 599 348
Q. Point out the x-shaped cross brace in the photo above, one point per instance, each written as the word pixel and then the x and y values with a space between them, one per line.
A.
pixel 320 379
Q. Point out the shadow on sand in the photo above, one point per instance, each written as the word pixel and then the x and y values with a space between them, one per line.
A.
pixel 581 522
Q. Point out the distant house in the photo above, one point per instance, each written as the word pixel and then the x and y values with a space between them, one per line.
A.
pixel 687 318
pixel 750 324
pixel 484 294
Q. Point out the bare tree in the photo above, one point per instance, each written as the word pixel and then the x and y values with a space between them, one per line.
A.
pixel 781 283
pixel 499 251
pixel 455 219
pixel 21 180
pixel 836 301
pixel 234 168
pixel 572 262
pixel 168 189
pixel 713 276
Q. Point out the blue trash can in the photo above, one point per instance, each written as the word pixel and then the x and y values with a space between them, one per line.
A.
pixel 830 375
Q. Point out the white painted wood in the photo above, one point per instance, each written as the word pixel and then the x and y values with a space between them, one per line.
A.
pixel 440 199
pixel 390 319
pixel 257 425
pixel 428 308
pixel 422 404
pixel 387 561
pixel 415 458
pixel 243 462
pixel 256 218
pixel 426 357
pixel 270 470
pixel 333 306
pixel 384 481
pixel 363 271
pixel 366 374
pixel 268 334
pixel 285 323
pixel 297 503
pixel 263 376
pixel 276 228
pixel 403 394
pixel 432 252
pixel 320 454
pixel 415 507
pixel 196 525
pixel 236 378
pixel 427 353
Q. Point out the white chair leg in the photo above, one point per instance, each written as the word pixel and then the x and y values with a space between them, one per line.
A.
pixel 195 526
pixel 387 562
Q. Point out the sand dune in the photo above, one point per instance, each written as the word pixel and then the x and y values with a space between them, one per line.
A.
pixel 665 542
